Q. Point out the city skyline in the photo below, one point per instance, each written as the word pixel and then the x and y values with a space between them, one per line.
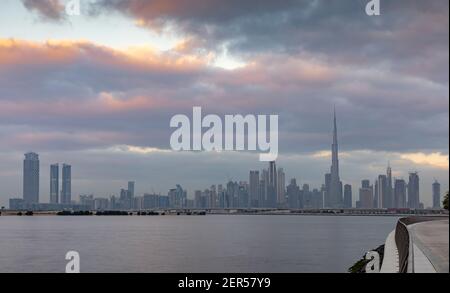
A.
pixel 267 191
pixel 98 90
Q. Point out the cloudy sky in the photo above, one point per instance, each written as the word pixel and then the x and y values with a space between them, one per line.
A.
pixel 98 90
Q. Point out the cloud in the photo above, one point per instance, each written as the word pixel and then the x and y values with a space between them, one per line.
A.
pixel 436 160
pixel 79 86
pixel 413 32
pixel 137 150
pixel 51 10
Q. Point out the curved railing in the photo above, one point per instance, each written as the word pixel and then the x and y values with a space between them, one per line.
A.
pixel 403 243
pixel 403 240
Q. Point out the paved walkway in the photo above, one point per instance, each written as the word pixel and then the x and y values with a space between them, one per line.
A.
pixel 432 239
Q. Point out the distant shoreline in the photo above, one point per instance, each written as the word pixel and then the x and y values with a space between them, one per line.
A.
pixel 187 212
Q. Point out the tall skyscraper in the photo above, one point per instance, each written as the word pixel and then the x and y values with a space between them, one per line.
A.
pixel 31 178
pixel 281 188
pixel 348 198
pixel 66 192
pixel 381 193
pixel 264 188
pixel 213 197
pixel 327 191
pixel 293 194
pixel 306 196
pixel 375 194
pixel 243 196
pixel 272 186
pixel 220 196
pixel 400 193
pixel 254 189
pixel 231 194
pixel 413 191
pixel 366 196
pixel 436 195
pixel 335 181
pixel 131 185
pixel 389 191
pixel 366 200
pixel 54 184
pixel 198 199
pixel 126 201
pixel 317 199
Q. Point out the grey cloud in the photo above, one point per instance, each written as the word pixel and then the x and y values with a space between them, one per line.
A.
pixel 410 35
pixel 52 10
pixel 377 109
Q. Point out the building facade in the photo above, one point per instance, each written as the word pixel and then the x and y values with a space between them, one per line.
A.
pixel 54 183
pixel 66 192
pixel 31 178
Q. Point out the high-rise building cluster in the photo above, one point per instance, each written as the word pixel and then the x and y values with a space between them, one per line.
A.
pixel 65 196
pixel 393 193
pixel 176 198
pixel 265 188
pixel 59 199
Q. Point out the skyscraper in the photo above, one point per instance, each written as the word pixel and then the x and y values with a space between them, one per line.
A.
pixel 31 178
pixel 54 184
pixel 327 190
pixel 413 191
pixel 126 201
pixel 263 188
pixel 348 198
pixel 317 199
pixel 66 192
pixel 213 197
pixel 293 194
pixel 281 188
pixel 381 192
pixel 389 191
pixel 254 189
pixel 243 197
pixel 366 196
pixel 220 196
pixel 131 185
pixel 436 195
pixel 306 196
pixel 272 186
pixel 231 194
pixel 335 195
pixel 400 193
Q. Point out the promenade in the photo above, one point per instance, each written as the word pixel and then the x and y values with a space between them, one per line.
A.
pixel 418 245
pixel 432 240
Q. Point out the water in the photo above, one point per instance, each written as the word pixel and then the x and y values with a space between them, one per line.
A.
pixel 181 244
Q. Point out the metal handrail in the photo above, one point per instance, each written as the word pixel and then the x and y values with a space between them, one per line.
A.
pixel 404 242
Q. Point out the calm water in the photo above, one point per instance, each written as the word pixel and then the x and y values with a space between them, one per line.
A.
pixel 190 243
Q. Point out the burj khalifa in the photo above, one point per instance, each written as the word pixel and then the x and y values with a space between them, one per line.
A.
pixel 335 190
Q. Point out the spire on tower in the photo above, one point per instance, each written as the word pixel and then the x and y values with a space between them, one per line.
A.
pixel 334 127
